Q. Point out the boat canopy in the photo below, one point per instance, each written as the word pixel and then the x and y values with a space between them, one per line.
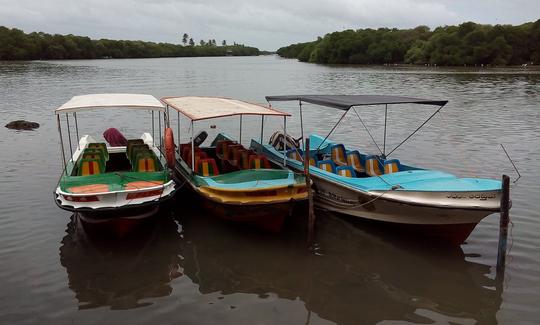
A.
pixel 99 101
pixel 345 102
pixel 202 108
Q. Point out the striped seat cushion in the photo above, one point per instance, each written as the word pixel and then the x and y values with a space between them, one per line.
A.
pixel 373 166
pixel 327 165
pixel 391 166
pixel 355 161
pixel 346 171
pixel 338 154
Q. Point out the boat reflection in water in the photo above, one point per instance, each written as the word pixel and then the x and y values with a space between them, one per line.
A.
pixel 357 275
pixel 121 273
pixel 357 278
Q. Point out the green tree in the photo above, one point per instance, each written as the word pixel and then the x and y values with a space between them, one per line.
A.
pixel 185 39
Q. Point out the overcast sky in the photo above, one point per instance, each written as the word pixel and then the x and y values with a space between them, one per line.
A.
pixel 266 24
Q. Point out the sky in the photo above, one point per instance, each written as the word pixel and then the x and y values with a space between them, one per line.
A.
pixel 266 24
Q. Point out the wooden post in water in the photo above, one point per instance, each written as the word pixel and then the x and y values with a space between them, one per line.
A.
pixel 311 215
pixel 503 225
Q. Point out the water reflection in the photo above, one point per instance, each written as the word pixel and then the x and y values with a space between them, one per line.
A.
pixel 121 273
pixel 356 277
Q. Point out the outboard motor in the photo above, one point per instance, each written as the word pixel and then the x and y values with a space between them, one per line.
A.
pixel 199 138
pixel 278 140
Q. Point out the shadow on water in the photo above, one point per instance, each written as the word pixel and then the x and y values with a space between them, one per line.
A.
pixel 357 275
pixel 121 273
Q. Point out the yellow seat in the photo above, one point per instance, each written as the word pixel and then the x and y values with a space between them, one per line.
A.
pixel 295 154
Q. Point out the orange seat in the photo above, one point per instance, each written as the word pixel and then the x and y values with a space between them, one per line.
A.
pixel 89 167
pixel 258 161
pixel 146 164
pixel 206 167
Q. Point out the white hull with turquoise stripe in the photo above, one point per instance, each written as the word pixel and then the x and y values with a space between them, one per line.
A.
pixel 434 202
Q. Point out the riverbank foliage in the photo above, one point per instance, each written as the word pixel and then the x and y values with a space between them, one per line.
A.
pixel 466 44
pixel 17 45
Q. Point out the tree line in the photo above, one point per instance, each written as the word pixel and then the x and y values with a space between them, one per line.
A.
pixel 466 44
pixel 18 45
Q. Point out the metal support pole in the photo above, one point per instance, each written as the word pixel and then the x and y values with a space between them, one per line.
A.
pixel 192 149
pixel 285 141
pixel 76 129
pixel 301 124
pixel 240 137
pixel 69 135
pixel 153 133
pixel 159 132
pixel 384 141
pixel 61 142
pixel 311 215
pixel 503 226
pixel 178 133
pixel 262 129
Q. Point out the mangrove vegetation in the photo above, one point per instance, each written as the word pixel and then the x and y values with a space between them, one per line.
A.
pixel 465 44
pixel 18 45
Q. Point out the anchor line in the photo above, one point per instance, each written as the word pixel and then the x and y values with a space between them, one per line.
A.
pixel 512 162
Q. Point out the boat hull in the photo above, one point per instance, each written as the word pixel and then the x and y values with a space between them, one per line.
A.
pixel 267 215
pixel 117 221
pixel 452 225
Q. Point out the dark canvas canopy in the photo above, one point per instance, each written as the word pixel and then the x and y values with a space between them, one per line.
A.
pixel 345 102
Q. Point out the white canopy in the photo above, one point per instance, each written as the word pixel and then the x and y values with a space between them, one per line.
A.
pixel 201 108
pixel 99 101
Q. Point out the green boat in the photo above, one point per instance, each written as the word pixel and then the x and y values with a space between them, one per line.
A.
pixel 115 187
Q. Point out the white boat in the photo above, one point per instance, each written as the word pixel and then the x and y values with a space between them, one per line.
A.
pixel 374 187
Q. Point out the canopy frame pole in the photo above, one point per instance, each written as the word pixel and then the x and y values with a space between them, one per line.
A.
pixel 422 125
pixel 178 132
pixel 61 142
pixel 159 129
pixel 192 149
pixel 153 133
pixel 69 135
pixel 341 118
pixel 262 129
pixel 76 129
pixel 384 138
pixel 240 136
pixel 285 141
pixel 168 121
pixel 367 130
pixel 301 124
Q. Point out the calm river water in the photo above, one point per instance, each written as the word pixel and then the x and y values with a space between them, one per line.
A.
pixel 190 268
